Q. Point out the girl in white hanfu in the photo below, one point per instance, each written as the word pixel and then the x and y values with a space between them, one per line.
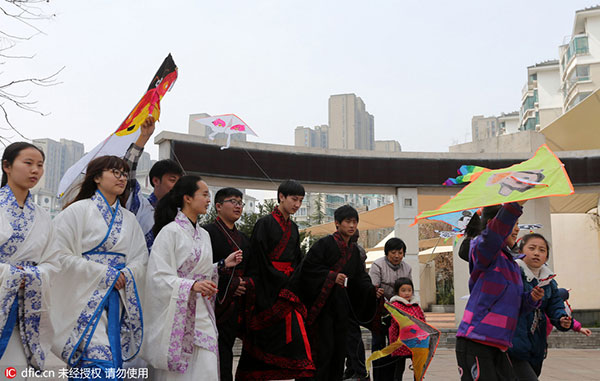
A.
pixel 97 312
pixel 181 284
pixel 26 264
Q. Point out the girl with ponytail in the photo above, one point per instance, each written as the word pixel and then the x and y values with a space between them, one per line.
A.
pixel 181 341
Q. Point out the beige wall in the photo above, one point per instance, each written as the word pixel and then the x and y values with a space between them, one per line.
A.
pixel 524 141
pixel 548 116
pixel 428 289
pixel 576 255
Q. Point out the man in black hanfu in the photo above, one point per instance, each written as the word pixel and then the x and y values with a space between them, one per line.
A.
pixel 333 285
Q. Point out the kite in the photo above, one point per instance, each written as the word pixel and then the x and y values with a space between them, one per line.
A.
pixel 128 132
pixel 541 176
pixel 421 338
pixel 467 173
pixel 228 124
pixel 458 220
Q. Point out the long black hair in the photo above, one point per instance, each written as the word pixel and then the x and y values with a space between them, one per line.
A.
pixel 94 170
pixel 166 210
pixel 10 154
pixel 475 227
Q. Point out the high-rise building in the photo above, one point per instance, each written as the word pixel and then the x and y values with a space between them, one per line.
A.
pixel 350 125
pixel 60 156
pixel 541 100
pixel 195 128
pixel 580 58
pixel 308 137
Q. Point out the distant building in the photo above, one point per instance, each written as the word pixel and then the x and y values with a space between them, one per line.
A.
pixel 580 58
pixel 541 100
pixel 508 123
pixel 308 137
pixel 387 146
pixel 350 125
pixel 60 156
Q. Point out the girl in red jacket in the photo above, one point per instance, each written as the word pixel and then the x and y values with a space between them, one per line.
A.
pixel 403 300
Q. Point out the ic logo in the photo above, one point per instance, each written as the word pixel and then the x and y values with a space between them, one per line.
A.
pixel 10 372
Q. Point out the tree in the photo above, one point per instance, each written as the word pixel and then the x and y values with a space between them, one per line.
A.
pixel 318 217
pixel 248 220
pixel 18 19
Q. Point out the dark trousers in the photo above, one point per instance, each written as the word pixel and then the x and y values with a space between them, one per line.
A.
pixel 525 370
pixel 328 342
pixel 355 349
pixel 482 362
pixel 227 333
pixel 400 366
pixel 383 369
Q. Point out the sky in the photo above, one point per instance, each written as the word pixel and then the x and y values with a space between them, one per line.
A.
pixel 423 69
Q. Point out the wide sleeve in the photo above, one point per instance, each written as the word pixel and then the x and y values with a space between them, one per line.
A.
pixel 79 291
pixel 314 274
pixel 169 318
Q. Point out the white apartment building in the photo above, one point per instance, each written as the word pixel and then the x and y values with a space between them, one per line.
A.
pixel 580 58
pixel 541 99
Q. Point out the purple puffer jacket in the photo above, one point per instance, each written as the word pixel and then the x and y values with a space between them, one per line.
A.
pixel 497 296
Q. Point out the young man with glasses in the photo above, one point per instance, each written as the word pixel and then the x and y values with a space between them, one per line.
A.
pixel 226 239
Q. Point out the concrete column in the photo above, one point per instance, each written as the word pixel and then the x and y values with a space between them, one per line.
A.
pixel 461 283
pixel 405 211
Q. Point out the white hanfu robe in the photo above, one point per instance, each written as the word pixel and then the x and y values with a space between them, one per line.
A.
pixel 181 330
pixel 25 327
pixel 96 325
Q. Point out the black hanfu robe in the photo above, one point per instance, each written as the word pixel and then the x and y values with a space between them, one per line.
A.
pixel 227 307
pixel 276 344
pixel 329 304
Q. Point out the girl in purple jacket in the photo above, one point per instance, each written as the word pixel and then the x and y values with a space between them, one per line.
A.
pixel 497 297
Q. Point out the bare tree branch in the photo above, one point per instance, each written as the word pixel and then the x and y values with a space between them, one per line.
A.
pixel 18 19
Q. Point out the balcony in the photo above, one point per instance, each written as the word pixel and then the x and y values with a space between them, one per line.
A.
pixel 578 45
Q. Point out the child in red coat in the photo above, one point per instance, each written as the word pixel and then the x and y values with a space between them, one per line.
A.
pixel 403 300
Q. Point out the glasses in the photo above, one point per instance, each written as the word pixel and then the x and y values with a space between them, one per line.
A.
pixel 118 173
pixel 234 202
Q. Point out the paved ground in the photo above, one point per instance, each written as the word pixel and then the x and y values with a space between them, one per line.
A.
pixel 561 365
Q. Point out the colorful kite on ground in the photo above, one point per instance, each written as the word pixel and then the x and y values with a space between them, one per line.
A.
pixel 541 176
pixel 421 338
pixel 228 124
pixel 128 132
